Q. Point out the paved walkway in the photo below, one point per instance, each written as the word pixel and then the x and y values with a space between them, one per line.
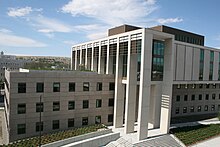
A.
pixel 214 142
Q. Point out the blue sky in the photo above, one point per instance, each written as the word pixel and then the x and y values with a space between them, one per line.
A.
pixel 50 27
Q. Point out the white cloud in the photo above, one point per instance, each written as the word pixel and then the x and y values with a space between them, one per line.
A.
pixel 169 20
pixel 18 12
pixel 70 42
pixel 18 41
pixel 112 12
pixel 93 36
pixel 5 30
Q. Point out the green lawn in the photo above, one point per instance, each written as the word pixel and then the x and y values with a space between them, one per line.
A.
pixel 194 134
pixel 48 138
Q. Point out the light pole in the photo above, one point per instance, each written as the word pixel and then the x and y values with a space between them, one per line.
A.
pixel 40 121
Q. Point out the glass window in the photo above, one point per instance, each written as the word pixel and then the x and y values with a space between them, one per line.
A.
pixel 193 97
pixel 184 109
pixel 98 103
pixel 21 109
pixel 213 96
pixel 40 87
pixel 200 97
pixel 98 119
pixel 111 102
pixel 218 107
pixel 201 65
pixel 178 86
pixel 85 104
pixel 200 86
pixel 207 96
pixel 21 129
pixel 177 110
pixel 214 86
pixel 185 97
pixel 111 86
pixel 71 105
pixel 56 87
pixel 21 87
pixel 206 108
pixel 39 107
pixel 56 124
pixel 72 87
pixel 207 86
pixel 70 122
pixel 192 109
pixel 56 106
pixel 99 86
pixel 39 126
pixel 178 98
pixel 211 65
pixel 110 118
pixel 213 108
pixel 199 108
pixel 85 121
pixel 86 86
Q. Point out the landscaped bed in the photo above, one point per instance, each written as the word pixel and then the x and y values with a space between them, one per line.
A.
pixel 193 134
pixel 48 138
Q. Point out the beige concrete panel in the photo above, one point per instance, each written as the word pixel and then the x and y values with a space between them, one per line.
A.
pixel 188 63
pixel 215 66
pixel 174 62
pixel 196 62
pixel 206 65
pixel 180 62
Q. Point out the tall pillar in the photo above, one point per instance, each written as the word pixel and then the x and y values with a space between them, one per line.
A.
pixel 167 87
pixel 131 88
pixel 107 59
pixel 99 60
pixel 86 58
pixel 80 58
pixel 75 59
pixel 92 64
pixel 145 85
pixel 155 105
pixel 119 94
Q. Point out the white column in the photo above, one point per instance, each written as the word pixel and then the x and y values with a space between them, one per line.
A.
pixel 167 87
pixel 130 90
pixel 99 61
pixel 92 64
pixel 80 58
pixel 145 86
pixel 86 58
pixel 119 92
pixel 75 59
pixel 107 59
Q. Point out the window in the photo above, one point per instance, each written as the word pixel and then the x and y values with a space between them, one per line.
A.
pixel 218 107
pixel 185 97
pixel 39 126
pixel 213 108
pixel 199 108
pixel 70 122
pixel 56 87
pixel 211 65
pixel 178 86
pixel 98 119
pixel 214 86
pixel 207 86
pixel 56 106
pixel 111 102
pixel 56 124
pixel 111 86
pixel 98 103
pixel 200 97
pixel 207 96
pixel 39 107
pixel 21 87
pixel 200 86
pixel 21 129
pixel 206 108
pixel 213 96
pixel 193 97
pixel 85 104
pixel 40 87
pixel 84 121
pixel 201 65
pixel 178 98
pixel 86 86
pixel 21 109
pixel 72 87
pixel 193 86
pixel 99 86
pixel 184 109
pixel 71 105
pixel 219 96
pixel 110 118
pixel 177 110
pixel 192 109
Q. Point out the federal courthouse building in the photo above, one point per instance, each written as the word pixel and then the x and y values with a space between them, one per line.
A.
pixel 139 75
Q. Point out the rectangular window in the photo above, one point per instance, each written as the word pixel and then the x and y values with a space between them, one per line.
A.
pixel 111 86
pixel 56 124
pixel 85 104
pixel 184 109
pixel 200 97
pixel 192 109
pixel 193 86
pixel 218 107
pixel 193 97
pixel 56 106
pixel 110 118
pixel 39 107
pixel 178 86
pixel 40 87
pixel 71 105
pixel 206 108
pixel 21 109
pixel 201 65
pixel 39 126
pixel 86 86
pixel 213 96
pixel 21 129
pixel 98 103
pixel 56 87
pixel 207 86
pixel 70 122
pixel 98 119
pixel 185 97
pixel 207 96
pixel 200 86
pixel 99 86
pixel 111 102
pixel 211 65
pixel 199 108
pixel 177 110
pixel 85 121
pixel 178 98
pixel 72 87
pixel 213 108
pixel 219 66
pixel 213 86
pixel 21 87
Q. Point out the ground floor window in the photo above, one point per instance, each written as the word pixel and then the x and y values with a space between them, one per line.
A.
pixel 21 128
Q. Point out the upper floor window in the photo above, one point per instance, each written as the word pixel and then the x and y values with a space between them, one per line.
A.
pixel 99 86
pixel 71 105
pixel 21 87
pixel 98 103
pixel 21 108
pixel 85 104
pixel 39 107
pixel 56 106
pixel 21 128
pixel 72 87
pixel 56 87
pixel 86 86
pixel 111 102
pixel 40 87
pixel 111 86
